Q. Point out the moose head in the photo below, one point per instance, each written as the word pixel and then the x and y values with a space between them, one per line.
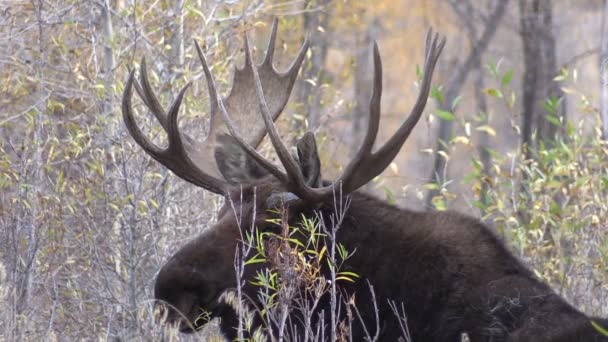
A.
pixel 451 274
pixel 229 165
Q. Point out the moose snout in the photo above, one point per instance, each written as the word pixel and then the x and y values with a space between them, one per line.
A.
pixel 182 312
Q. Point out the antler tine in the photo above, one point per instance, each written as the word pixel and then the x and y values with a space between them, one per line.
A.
pixel 374 105
pixel 392 146
pixel 127 111
pixel 294 68
pixel 250 150
pixel 264 78
pixel 378 161
pixel 174 156
pixel 276 84
pixel 211 89
pixel 374 122
pixel 147 95
pixel 144 89
pixel 195 161
pixel 174 137
pixel 217 102
pixel 367 165
pixel 271 43
pixel 427 43
pixel 294 174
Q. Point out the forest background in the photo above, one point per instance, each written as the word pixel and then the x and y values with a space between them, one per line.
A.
pixel 513 134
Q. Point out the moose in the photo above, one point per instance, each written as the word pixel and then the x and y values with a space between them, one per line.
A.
pixel 452 274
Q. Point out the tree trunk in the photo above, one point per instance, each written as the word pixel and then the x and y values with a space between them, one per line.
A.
pixel 108 61
pixel 604 72
pixel 453 88
pixel 316 23
pixel 540 67
pixel 177 37
pixel 547 130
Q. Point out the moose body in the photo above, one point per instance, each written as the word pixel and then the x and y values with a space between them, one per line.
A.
pixel 450 272
pixel 453 276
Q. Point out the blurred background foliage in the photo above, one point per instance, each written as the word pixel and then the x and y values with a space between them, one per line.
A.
pixel 513 133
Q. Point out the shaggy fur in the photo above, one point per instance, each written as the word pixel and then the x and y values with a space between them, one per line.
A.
pixel 452 274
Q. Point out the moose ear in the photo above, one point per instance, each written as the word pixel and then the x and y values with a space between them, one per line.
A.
pixel 308 158
pixel 234 163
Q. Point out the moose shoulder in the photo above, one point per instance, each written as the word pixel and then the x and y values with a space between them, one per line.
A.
pixel 450 272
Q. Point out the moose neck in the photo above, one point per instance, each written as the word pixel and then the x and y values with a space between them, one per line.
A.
pixel 393 251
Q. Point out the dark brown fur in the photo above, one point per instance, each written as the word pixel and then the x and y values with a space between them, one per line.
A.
pixel 452 274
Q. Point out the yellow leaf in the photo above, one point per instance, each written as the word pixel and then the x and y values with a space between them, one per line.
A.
pixel 487 129
pixel 345 278
pixel 568 90
pixel 311 82
pixel 322 253
pixel 512 220
pixel 460 139
pixel 394 168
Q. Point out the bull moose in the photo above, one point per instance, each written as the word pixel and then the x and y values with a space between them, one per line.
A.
pixel 449 271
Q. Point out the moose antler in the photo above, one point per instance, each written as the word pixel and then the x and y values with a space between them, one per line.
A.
pixel 366 164
pixel 192 160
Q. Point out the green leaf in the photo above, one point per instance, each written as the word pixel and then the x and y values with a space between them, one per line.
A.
pixel 506 78
pixel 455 102
pixel 195 11
pixel 602 330
pixel 439 203
pixel 553 119
pixel 444 115
pixel 390 197
pixel 512 100
pixel 254 261
pixel 493 67
pixel 345 278
pixel 347 273
pixel 55 106
pixel 552 104
pixel 437 94
pixel 562 75
pixel 493 92
pixel 431 186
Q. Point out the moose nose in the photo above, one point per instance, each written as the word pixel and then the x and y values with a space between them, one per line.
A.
pixel 185 327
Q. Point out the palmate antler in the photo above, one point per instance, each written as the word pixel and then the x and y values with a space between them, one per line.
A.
pixel 263 92
pixel 366 164
pixel 192 160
